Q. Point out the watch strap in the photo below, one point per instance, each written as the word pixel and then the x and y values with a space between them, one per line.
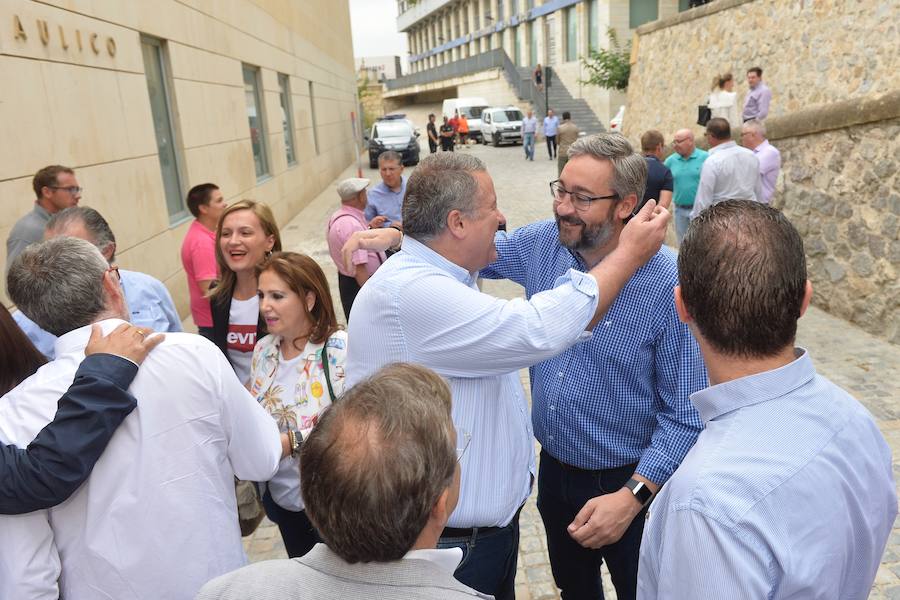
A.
pixel 640 490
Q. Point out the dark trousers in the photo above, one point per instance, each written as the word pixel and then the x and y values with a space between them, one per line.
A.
pixel 349 289
pixel 551 145
pixel 489 558
pixel 432 146
pixel 206 332
pixel 297 532
pixel 447 144
pixel 562 492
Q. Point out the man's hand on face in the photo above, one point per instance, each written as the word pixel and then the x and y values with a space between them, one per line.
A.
pixel 377 222
pixel 126 340
pixel 643 236
pixel 603 520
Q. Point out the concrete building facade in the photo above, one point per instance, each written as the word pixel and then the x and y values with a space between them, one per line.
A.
pixel 146 99
pixel 555 33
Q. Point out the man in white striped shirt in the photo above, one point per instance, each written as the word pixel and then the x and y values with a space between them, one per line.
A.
pixel 423 306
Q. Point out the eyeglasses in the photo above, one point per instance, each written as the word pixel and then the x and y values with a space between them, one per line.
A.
pixel 580 201
pixel 72 189
pixel 114 269
pixel 463 439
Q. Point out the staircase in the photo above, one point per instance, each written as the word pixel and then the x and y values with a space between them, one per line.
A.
pixel 560 100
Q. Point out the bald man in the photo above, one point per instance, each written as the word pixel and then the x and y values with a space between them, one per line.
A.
pixel 685 164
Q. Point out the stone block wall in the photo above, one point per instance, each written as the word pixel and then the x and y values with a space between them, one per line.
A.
pixel 834 71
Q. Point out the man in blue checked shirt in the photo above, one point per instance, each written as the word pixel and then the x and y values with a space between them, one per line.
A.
pixel 423 306
pixel 788 492
pixel 612 413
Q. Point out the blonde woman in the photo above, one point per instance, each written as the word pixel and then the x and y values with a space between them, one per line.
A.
pixel 723 101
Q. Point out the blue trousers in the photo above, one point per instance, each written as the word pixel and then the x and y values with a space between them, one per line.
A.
pixel 297 532
pixel 562 492
pixel 682 221
pixel 528 144
pixel 489 559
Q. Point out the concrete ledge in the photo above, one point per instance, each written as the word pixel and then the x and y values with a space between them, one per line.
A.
pixel 689 15
pixel 837 115
pixel 487 75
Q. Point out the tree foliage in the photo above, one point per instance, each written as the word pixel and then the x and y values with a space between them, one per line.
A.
pixel 609 68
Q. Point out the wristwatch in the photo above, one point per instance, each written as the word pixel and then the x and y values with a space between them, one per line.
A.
pixel 640 490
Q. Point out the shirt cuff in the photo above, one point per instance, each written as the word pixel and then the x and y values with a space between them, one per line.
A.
pixel 655 466
pixel 584 283
pixel 116 369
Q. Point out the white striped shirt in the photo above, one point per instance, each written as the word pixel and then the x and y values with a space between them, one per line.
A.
pixel 419 307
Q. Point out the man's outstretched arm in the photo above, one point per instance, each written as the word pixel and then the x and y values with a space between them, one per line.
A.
pixel 62 455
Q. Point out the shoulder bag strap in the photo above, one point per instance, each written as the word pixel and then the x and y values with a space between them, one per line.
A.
pixel 327 371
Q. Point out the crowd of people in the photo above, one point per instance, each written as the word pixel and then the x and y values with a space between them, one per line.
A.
pixel 685 440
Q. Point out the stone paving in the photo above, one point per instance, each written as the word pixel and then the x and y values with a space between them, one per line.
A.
pixel 867 367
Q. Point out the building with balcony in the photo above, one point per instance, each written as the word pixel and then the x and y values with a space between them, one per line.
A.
pixel 553 33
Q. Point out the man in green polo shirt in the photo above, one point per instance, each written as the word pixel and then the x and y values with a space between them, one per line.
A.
pixel 685 164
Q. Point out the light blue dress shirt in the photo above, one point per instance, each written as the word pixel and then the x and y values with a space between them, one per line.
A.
pixel 383 201
pixel 788 493
pixel 551 125
pixel 148 300
pixel 419 307
pixel 624 396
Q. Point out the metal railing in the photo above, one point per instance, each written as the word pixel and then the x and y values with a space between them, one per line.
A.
pixel 492 59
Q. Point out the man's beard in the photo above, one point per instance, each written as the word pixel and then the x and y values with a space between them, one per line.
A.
pixel 592 236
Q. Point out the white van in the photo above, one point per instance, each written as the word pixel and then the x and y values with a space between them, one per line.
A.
pixel 502 124
pixel 471 108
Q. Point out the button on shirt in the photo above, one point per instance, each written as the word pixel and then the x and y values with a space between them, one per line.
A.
pixel 384 201
pixel 622 396
pixel 769 165
pixel 419 307
pixel 158 517
pixel 551 125
pixel 686 175
pixel 788 493
pixel 148 300
pixel 730 172
pixel 756 106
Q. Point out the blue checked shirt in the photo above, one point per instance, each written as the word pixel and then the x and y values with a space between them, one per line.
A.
pixel 419 307
pixel 622 396
pixel 788 493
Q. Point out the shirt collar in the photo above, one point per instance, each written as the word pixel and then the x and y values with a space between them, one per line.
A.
pixel 352 210
pixel 40 210
pixel 446 559
pixel 77 339
pixel 718 400
pixel 762 146
pixel 421 251
pixel 725 146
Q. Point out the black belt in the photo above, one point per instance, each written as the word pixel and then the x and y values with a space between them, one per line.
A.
pixel 459 532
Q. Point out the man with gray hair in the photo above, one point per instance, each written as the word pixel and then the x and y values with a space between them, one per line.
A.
pixel 753 136
pixel 149 302
pixel 162 494
pixel 423 306
pixel 380 478
pixel 613 413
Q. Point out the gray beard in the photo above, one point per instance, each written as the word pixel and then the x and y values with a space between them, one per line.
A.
pixel 592 236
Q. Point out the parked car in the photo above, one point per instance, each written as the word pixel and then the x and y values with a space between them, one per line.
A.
pixel 471 108
pixel 615 124
pixel 502 124
pixel 397 133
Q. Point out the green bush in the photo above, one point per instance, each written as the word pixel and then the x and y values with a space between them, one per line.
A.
pixel 610 69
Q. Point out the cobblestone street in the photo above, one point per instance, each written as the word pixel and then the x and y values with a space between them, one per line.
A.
pixel 864 365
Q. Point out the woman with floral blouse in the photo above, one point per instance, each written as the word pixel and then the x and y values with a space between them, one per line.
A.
pixel 296 372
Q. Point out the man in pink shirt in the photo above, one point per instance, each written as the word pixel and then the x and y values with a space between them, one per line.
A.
pixel 198 251
pixel 348 219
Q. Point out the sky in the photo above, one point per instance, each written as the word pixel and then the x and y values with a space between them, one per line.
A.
pixel 374 24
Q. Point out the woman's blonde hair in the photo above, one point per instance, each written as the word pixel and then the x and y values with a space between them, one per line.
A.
pixel 227 277
pixel 719 81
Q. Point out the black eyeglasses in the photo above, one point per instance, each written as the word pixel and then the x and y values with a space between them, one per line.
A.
pixel 579 201
pixel 72 189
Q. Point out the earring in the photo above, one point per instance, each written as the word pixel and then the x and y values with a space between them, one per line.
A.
pixel 268 253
